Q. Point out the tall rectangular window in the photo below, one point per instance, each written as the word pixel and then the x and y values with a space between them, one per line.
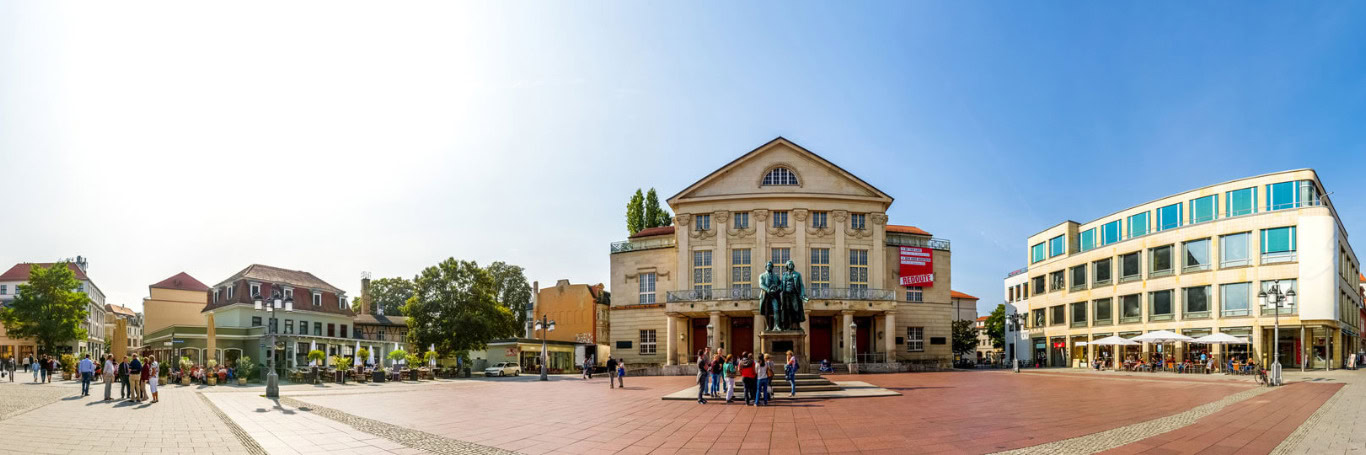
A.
pixel 1195 302
pixel 1202 209
pixel 1131 310
pixel 1102 268
pixel 1138 225
pixel 780 219
pixel 915 339
pixel 1036 253
pixel 649 343
pixel 1130 267
pixel 701 270
pixel 820 271
pixel 779 256
pixel 255 321
pixel 1103 313
pixel 741 220
pixel 1087 240
pixel 1160 305
pixel 1039 284
pixel 1109 232
pixel 317 328
pixel 1240 202
pixel 858 221
pixel 1196 255
pixel 1057 315
pixel 1233 250
pixel 1079 314
pixel 647 288
pixel 741 273
pixel 820 220
pixel 1056 281
pixel 1161 258
pixel 303 327
pixel 1079 277
pixel 1278 245
pixel 1284 195
pixel 1169 217
pixel 1235 299
pixel 915 294
pixel 1285 287
pixel 858 269
pixel 289 326
pixel 1057 246
pixel 1039 320
pixel 703 222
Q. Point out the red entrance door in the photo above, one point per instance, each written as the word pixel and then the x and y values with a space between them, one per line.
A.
pixel 865 326
pixel 821 339
pixel 699 338
pixel 741 336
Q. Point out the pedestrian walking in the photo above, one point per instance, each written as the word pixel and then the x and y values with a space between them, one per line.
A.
pixel 153 374
pixel 611 372
pixel 728 370
pixel 53 367
pixel 748 378
pixel 86 368
pixel 621 374
pixel 790 373
pixel 111 371
pixel 35 367
pixel 702 375
pixel 715 370
pixel 587 369
pixel 134 378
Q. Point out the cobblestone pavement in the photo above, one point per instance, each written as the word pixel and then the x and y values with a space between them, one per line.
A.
pixel 1339 426
pixel 18 397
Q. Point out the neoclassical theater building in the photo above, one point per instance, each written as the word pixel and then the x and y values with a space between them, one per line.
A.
pixel 681 288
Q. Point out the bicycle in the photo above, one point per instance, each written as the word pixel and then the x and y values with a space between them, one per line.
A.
pixel 1261 377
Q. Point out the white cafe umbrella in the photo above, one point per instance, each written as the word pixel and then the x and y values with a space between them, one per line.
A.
pixel 1161 336
pixel 372 354
pixel 433 361
pixel 1114 340
pixel 1220 338
pixel 312 346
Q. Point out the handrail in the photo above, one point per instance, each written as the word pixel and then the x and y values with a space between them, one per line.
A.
pixel 704 295
pixel 637 245
pixel 931 243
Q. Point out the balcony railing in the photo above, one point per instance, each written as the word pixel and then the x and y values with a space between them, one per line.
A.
pixel 754 293
pixel 904 240
pixel 637 245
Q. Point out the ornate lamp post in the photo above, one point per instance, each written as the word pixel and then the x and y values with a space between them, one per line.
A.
pixel 544 325
pixel 1012 322
pixel 853 348
pixel 1276 298
pixel 711 335
pixel 271 306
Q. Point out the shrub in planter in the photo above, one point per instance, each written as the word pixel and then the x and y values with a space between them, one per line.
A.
pixel 317 357
pixel 210 373
pixel 246 369
pixel 185 366
pixel 377 375
pixel 412 366
pixel 68 366
pixel 343 364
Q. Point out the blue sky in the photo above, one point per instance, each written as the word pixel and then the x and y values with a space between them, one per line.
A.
pixel 340 138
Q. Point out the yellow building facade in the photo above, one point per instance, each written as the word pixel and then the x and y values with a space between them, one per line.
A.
pixel 578 316
pixel 1195 263
pixel 678 289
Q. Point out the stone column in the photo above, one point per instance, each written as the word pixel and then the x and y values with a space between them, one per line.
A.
pixel 720 274
pixel 839 255
pixel 684 272
pixel 889 335
pixel 877 254
pixel 846 338
pixel 801 258
pixel 760 255
pixel 758 328
pixel 671 324
pixel 715 342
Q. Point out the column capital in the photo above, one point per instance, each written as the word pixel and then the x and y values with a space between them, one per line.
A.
pixel 847 312
pixel 714 313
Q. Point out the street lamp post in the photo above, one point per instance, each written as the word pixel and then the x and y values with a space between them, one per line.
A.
pixel 853 348
pixel 271 306
pixel 1013 321
pixel 544 325
pixel 711 335
pixel 1276 298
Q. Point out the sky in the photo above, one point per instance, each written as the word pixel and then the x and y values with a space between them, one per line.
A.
pixel 342 138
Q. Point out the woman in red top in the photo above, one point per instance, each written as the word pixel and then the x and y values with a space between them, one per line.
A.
pixel 750 379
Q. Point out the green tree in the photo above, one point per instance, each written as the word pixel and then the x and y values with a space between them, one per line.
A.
pixel 655 216
pixel 389 295
pixel 996 326
pixel 964 338
pixel 511 289
pixel 635 213
pixel 48 309
pixel 455 307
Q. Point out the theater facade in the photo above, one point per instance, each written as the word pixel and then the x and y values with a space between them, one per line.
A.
pixel 878 293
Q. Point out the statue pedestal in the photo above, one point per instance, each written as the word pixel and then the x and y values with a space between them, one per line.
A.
pixel 776 343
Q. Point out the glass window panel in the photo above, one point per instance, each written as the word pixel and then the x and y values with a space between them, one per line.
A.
pixel 1138 225
pixel 1162 259
pixel 1103 312
pixel 1197 299
pixel 1278 240
pixel 1240 202
pixel 1169 217
pixel 1088 239
pixel 1130 307
pixel 1202 209
pixel 1235 299
pixel 1079 276
pixel 1281 196
pixel 1109 232
pixel 1079 313
pixel 1102 268
pixel 1129 266
pixel 1196 254
pixel 1161 302
pixel 1036 253
pixel 1055 246
pixel 1233 250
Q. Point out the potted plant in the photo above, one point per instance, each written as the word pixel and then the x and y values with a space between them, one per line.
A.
pixel 412 372
pixel 317 357
pixel 429 358
pixel 361 356
pixel 397 356
pixel 185 366
pixel 210 373
pixel 245 370
pixel 68 366
pixel 343 367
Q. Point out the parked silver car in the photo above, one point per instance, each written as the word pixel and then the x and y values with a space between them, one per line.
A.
pixel 504 369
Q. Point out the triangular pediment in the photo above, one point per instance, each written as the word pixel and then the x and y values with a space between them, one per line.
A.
pixel 815 176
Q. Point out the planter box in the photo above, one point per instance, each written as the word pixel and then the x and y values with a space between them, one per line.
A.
pixel 241 381
pixel 185 380
pixel 412 375
pixel 377 376
pixel 213 380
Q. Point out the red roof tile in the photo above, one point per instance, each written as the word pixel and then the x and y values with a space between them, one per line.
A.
pixel 661 230
pixel 182 281
pixel 20 272
pixel 960 295
pixel 906 229
pixel 982 318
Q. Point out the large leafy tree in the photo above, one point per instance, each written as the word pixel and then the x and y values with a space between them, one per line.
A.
pixel 48 308
pixel 996 326
pixel 643 212
pixel 511 289
pixel 655 215
pixel 455 307
pixel 635 213
pixel 964 338
pixel 389 295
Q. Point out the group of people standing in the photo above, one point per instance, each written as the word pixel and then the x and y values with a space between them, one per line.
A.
pixel 719 370
pixel 42 367
pixel 133 374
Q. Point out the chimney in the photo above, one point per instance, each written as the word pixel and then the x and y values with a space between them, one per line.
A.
pixel 365 293
pixel 81 262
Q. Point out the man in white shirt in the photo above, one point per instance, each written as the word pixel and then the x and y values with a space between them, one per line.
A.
pixel 110 370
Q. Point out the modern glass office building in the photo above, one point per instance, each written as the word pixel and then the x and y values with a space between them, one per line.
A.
pixel 1195 263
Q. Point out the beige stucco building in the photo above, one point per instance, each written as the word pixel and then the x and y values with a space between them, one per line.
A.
pixel 779 202
pixel 576 309
pixel 1195 263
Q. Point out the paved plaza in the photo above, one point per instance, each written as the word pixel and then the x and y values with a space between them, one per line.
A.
pixel 1037 411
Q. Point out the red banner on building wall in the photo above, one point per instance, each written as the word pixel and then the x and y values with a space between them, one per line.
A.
pixel 917 266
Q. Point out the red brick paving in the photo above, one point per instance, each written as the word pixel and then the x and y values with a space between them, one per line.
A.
pixel 1254 426
pixel 952 412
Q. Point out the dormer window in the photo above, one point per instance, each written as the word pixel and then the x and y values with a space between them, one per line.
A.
pixel 780 176
pixel 255 290
pixel 289 293
pixel 229 292
pixel 317 299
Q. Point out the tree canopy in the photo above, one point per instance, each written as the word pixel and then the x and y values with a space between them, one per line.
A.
pixel 511 289
pixel 643 212
pixel 996 326
pixel 48 308
pixel 964 338
pixel 389 295
pixel 635 213
pixel 455 307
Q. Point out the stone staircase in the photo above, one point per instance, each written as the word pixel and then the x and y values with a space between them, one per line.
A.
pixel 805 383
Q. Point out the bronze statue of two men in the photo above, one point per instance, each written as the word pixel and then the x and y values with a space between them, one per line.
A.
pixel 782 298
